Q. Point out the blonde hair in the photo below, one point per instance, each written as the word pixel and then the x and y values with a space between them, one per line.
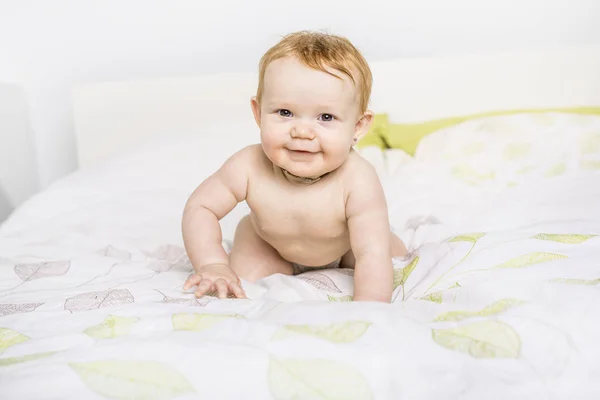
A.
pixel 319 51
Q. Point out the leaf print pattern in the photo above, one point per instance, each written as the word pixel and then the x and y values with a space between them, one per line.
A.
pixel 167 257
pixel 486 339
pixel 113 252
pixel 117 379
pixel 472 238
pixel 564 238
pixel 8 309
pixel 341 298
pixel 589 143
pixel 5 362
pixel 467 237
pixel 401 275
pixel 199 322
pixel 590 165
pixel 29 272
pixel 167 253
pixel 112 327
pixel 9 338
pixel 516 151
pixel 435 297
pixel 497 307
pixel 320 281
pixel 341 332
pixel 531 259
pixel 473 148
pixel 93 300
pixel 587 282
pixel 558 169
pixel 471 176
pixel 525 170
pixel 185 301
pixel 346 271
pixel 160 266
pixel 316 379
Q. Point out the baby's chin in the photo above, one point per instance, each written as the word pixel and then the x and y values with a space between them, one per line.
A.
pixel 306 171
pixel 310 167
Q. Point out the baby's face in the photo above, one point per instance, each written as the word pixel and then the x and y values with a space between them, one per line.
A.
pixel 308 118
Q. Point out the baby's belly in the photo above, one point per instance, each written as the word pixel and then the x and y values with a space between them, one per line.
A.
pixel 307 244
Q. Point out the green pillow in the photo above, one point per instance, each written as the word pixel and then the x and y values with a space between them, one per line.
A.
pixel 386 135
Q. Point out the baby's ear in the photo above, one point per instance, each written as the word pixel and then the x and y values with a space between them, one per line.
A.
pixel 363 125
pixel 255 109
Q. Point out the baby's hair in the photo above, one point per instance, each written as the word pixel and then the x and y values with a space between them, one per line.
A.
pixel 320 51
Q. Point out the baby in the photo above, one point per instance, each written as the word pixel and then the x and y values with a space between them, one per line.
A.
pixel 314 201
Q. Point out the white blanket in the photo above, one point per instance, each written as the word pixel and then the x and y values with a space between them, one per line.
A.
pixel 498 298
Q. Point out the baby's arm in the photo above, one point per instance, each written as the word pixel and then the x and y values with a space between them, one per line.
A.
pixel 207 205
pixel 367 214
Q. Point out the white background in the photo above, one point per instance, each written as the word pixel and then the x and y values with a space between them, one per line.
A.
pixel 47 46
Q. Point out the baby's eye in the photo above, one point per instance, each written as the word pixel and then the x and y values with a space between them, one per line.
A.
pixel 327 117
pixel 285 113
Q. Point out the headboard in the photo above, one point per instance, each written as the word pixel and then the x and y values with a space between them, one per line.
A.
pixel 116 117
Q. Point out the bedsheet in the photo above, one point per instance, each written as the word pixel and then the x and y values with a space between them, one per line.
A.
pixel 497 299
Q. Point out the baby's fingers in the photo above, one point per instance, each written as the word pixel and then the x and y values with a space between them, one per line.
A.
pixel 237 290
pixel 203 288
pixel 192 280
pixel 221 288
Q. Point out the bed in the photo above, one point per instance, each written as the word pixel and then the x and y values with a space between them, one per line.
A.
pixel 491 166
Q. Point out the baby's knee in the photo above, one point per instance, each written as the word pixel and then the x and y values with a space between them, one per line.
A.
pixel 398 247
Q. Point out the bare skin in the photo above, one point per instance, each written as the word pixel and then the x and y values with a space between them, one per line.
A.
pixel 338 213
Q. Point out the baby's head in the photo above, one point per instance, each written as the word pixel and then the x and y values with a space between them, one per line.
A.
pixel 311 103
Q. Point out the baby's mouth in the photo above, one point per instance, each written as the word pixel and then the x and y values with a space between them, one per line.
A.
pixel 302 151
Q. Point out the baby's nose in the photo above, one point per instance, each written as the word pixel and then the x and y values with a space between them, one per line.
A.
pixel 302 131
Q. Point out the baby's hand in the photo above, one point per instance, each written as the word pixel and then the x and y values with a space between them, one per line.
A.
pixel 218 277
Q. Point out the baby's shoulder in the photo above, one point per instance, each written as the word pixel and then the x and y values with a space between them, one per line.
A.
pixel 357 167
pixel 359 174
pixel 247 157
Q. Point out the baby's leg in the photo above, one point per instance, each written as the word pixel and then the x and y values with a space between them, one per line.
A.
pixel 398 250
pixel 252 258
pixel 398 247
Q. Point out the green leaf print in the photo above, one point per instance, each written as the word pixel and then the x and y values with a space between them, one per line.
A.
pixel 568 281
pixel 591 165
pixel 340 332
pixel 112 327
pixel 558 169
pixel 473 148
pixel 525 170
pixel 401 275
pixel 198 322
pixel 589 143
pixel 530 259
pixel 435 297
pixel 341 298
pixel 495 308
pixel 316 379
pixel 133 379
pixel 563 238
pixel 9 338
pixel 486 339
pixel 467 237
pixel 516 151
pixel 5 362
pixel 471 176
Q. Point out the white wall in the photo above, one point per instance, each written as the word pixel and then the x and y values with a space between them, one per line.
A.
pixel 18 169
pixel 49 46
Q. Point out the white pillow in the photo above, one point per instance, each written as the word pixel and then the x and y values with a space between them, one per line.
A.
pixel 505 151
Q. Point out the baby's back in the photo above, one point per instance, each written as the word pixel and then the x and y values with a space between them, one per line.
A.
pixel 305 223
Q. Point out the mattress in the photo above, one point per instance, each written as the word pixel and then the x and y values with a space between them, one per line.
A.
pixel 496 299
